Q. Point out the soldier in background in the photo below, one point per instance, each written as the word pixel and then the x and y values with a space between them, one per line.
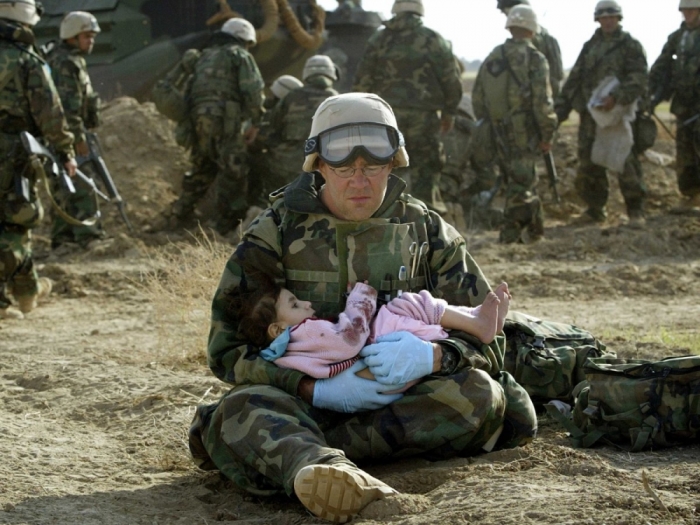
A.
pixel 513 94
pixel 674 76
pixel 28 102
pixel 611 52
pixel 545 44
pixel 81 105
pixel 413 68
pixel 290 121
pixel 227 90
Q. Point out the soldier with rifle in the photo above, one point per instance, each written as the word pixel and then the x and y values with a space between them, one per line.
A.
pixel 513 97
pixel 28 102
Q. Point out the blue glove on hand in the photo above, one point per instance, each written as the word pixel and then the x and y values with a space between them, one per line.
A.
pixel 349 393
pixel 398 358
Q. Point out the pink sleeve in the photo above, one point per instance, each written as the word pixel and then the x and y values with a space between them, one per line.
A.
pixel 418 313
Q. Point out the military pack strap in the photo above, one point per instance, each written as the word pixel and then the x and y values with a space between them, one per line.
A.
pixel 312 276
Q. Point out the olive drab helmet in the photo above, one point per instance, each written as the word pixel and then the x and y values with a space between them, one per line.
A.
pixel 240 29
pixel 408 6
pixel 23 11
pixel 689 4
pixel 353 121
pixel 284 84
pixel 607 8
pixel 522 16
pixel 320 65
pixel 78 22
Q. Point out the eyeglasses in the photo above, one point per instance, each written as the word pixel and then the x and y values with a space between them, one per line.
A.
pixel 367 171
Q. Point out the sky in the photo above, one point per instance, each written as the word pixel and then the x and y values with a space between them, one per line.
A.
pixel 475 27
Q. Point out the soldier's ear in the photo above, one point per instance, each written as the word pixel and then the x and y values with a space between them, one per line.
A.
pixel 275 330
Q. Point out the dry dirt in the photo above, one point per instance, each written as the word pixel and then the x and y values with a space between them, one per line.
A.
pixel 98 385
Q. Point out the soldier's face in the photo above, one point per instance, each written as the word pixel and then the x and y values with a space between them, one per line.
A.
pixel 85 41
pixel 355 198
pixel 691 16
pixel 609 24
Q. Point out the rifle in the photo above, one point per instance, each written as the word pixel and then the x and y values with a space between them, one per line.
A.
pixel 95 157
pixel 552 174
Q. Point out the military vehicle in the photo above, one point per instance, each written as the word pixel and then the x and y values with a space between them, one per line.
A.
pixel 143 39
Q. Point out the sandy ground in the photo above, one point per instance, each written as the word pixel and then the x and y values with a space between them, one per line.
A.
pixel 99 384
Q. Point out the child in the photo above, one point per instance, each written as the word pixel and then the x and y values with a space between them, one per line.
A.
pixel 321 349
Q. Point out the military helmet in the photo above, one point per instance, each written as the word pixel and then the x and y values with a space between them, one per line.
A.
pixel 607 8
pixel 352 123
pixel 689 4
pixel 24 11
pixel 506 4
pixel 408 6
pixel 522 16
pixel 77 22
pixel 284 84
pixel 320 65
pixel 241 29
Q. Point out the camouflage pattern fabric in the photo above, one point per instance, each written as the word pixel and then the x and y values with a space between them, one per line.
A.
pixel 70 75
pixel 621 56
pixel 413 69
pixel 512 92
pixel 549 47
pixel 674 76
pixel 28 102
pixel 300 245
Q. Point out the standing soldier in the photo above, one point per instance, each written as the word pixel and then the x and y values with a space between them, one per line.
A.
pixel 227 90
pixel 513 94
pixel 611 52
pixel 413 69
pixel 28 102
pixel 290 121
pixel 545 44
pixel 81 105
pixel 674 76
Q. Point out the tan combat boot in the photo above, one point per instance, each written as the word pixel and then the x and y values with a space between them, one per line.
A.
pixel 10 313
pixel 337 492
pixel 27 303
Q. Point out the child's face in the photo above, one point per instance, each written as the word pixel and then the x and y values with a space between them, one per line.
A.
pixel 292 311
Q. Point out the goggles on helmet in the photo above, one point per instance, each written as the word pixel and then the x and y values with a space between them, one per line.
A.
pixel 343 144
pixel 607 11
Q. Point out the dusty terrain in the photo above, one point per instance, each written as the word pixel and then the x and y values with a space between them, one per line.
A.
pixel 98 385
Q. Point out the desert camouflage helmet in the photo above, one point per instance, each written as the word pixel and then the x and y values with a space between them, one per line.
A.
pixel 77 22
pixel 353 108
pixel 689 4
pixel 506 4
pixel 284 84
pixel 241 29
pixel 408 6
pixel 24 11
pixel 522 16
pixel 607 8
pixel 320 65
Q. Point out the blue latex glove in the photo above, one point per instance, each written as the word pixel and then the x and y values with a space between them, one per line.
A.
pixel 398 357
pixel 349 393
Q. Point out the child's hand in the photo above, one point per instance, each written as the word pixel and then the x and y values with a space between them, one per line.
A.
pixel 352 285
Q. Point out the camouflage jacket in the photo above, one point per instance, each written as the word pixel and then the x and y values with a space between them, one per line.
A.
pixel 226 75
pixel 291 119
pixel 410 66
pixel 549 47
pixel 676 73
pixel 28 97
pixel 512 91
pixel 69 72
pixel 298 243
pixel 617 55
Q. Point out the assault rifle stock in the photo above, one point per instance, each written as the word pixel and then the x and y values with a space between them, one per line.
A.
pixel 552 174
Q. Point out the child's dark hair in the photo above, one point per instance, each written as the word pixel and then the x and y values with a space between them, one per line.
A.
pixel 254 310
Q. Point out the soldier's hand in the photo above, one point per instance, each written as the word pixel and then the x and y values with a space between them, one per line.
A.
pixel 250 134
pixel 82 149
pixel 398 358
pixel 447 123
pixel 71 166
pixel 545 147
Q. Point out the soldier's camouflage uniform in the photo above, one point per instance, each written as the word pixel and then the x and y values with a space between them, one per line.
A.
pixel 290 123
pixel 261 434
pixel 28 102
pixel 512 92
pixel 227 90
pixel 549 47
pixel 80 103
pixel 675 76
pixel 413 69
pixel 621 56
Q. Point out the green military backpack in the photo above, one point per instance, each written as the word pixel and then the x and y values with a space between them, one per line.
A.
pixel 635 403
pixel 170 93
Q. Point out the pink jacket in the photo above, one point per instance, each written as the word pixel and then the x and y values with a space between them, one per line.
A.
pixel 323 349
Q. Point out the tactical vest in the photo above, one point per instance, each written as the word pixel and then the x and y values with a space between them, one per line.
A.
pixel 301 105
pixel 89 100
pixel 686 85
pixel 216 76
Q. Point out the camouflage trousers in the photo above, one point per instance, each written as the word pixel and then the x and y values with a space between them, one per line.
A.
pixel 592 180
pixel 82 204
pixel 220 157
pixel 260 437
pixel 687 159
pixel 523 213
pixel 421 130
